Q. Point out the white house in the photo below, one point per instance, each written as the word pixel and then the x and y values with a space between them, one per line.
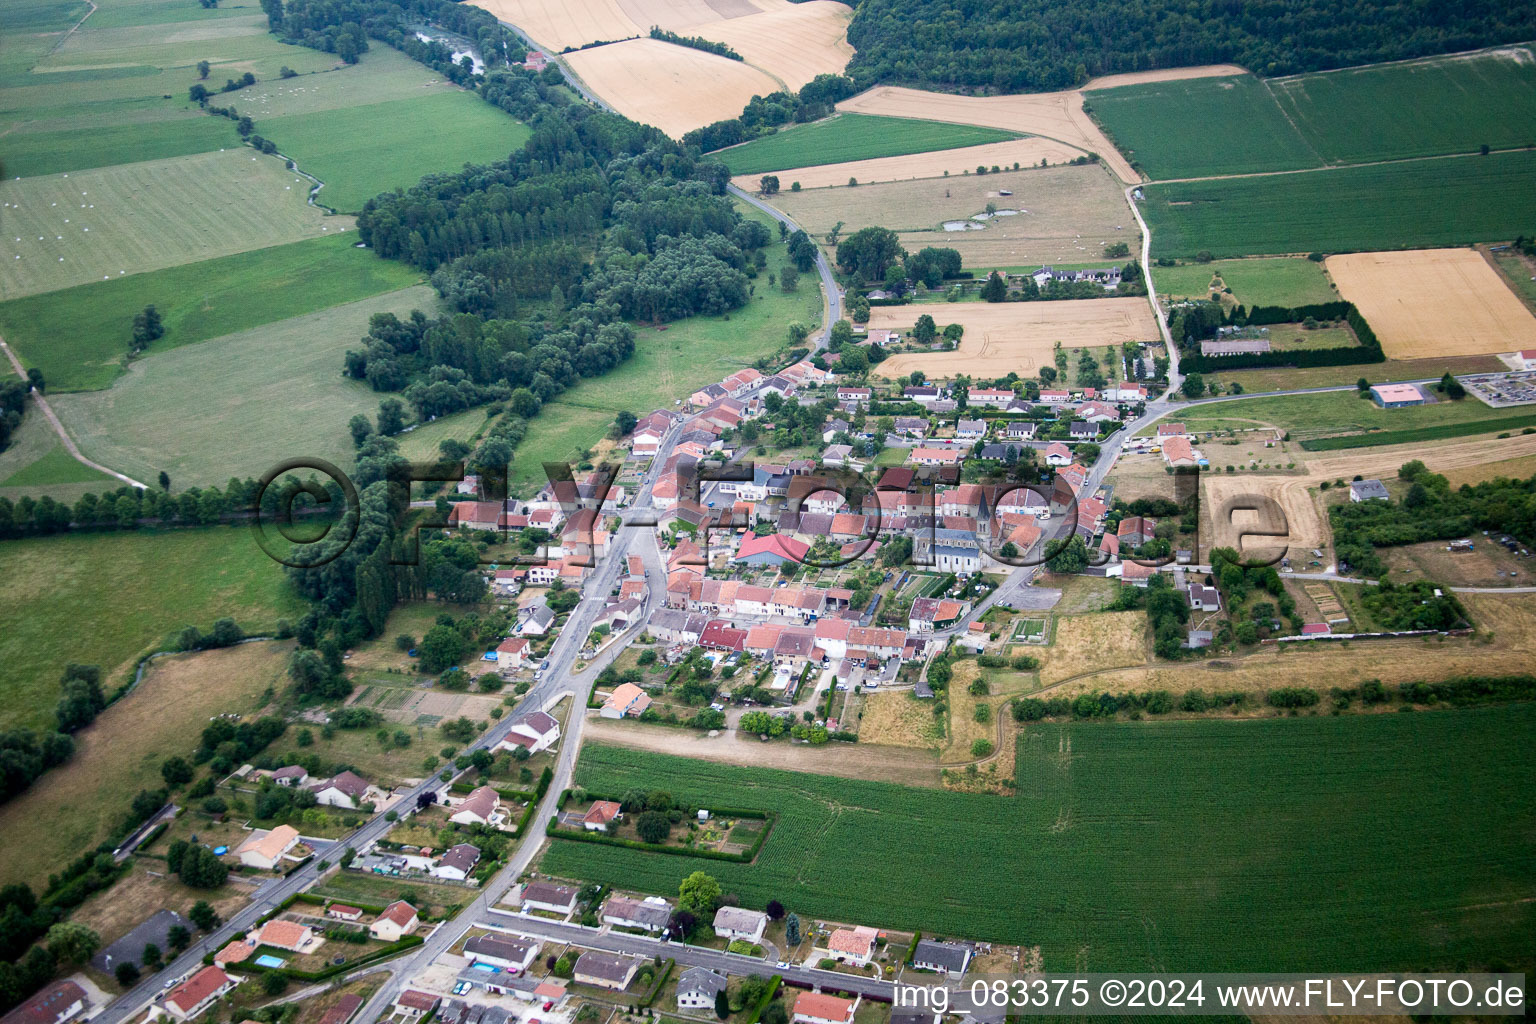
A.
pixel 697 988
pixel 396 921
pixel 852 945
pixel 650 914
pixel 547 896
pixel 55 1003
pixel 502 951
pixel 944 957
pixel 456 863
pixel 1368 490
pixel 535 731
pixel 1204 599
pixel 342 790
pixel 264 850
pixel 512 654
pixel 290 776
pixel 198 992
pixel 1058 454
pixel 740 923
pixel 481 807
pixel 821 1008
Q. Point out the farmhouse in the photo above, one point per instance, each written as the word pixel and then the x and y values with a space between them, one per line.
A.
pixel 502 951
pixel 820 1008
pixel 264 849
pixel 549 896
pixel 945 957
pixel 606 970
pixel 198 992
pixel 649 915
pixel 1396 396
pixel 697 988
pixel 457 863
pixel 398 920
pixel 56 1003
pixel 290 776
pixel 1368 490
pixel 740 923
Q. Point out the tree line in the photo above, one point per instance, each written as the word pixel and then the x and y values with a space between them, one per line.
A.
pixel 764 115
pixel 1023 47
pixel 696 42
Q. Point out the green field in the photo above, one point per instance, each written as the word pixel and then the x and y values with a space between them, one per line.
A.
pixel 236 405
pixel 132 218
pixel 1334 412
pixel 1411 436
pixel 78 337
pixel 1278 844
pixel 1421 203
pixel 1416 108
pixel 1196 127
pixel 350 150
pixel 57 466
pixel 852 137
pixel 106 598
pixel 667 365
pixel 1286 281
pixel 1519 274
pixel 35 153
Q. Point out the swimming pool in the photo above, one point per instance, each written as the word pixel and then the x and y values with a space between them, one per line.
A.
pixel 488 968
pixel 268 960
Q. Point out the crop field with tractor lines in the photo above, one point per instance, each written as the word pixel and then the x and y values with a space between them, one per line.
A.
pixel 1180 796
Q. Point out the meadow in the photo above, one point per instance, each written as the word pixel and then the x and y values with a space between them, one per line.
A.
pixel 344 147
pixel 852 137
pixel 667 365
pixel 81 803
pixel 236 405
pixel 134 590
pixel 1416 108
pixel 1197 127
pixel 1285 281
pixel 1339 411
pixel 1106 869
pixel 1415 204
pixel 79 336
pixel 70 229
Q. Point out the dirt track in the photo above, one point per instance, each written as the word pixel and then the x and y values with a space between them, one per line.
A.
pixel 850 760
pixel 1434 302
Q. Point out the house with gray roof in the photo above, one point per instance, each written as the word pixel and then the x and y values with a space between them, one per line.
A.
pixel 946 957
pixel 697 988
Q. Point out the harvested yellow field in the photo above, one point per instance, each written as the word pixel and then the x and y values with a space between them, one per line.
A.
pixel 1054 115
pixel 1165 75
pixel 675 88
pixel 794 43
pixel 954 162
pixel 556 24
pixel 1016 336
pixel 1434 302
pixel 1063 214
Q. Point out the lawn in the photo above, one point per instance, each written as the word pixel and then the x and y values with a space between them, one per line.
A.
pixel 57 466
pixel 1415 204
pixel 76 806
pixel 1416 108
pixel 237 405
pixel 347 149
pixel 1521 275
pixel 1195 127
pixel 667 365
pixel 33 153
pixel 69 229
pixel 34 464
pixel 1319 882
pixel 852 137
pixel 133 590
pixel 1284 281
pixel 78 337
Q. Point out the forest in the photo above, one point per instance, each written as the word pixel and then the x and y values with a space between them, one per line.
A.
pixel 1012 46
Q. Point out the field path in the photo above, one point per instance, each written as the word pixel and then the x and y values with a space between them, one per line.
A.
pixel 58 428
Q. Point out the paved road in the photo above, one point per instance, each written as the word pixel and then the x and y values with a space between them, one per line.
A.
pixel 832 310
pixel 690 956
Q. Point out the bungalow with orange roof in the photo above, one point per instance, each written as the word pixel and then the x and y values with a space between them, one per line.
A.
pixel 935 456
pixel 198 992
pixel 394 922
pixel 265 849
pixel 626 699
pixel 852 945
pixel 1058 454
pixel 821 1008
